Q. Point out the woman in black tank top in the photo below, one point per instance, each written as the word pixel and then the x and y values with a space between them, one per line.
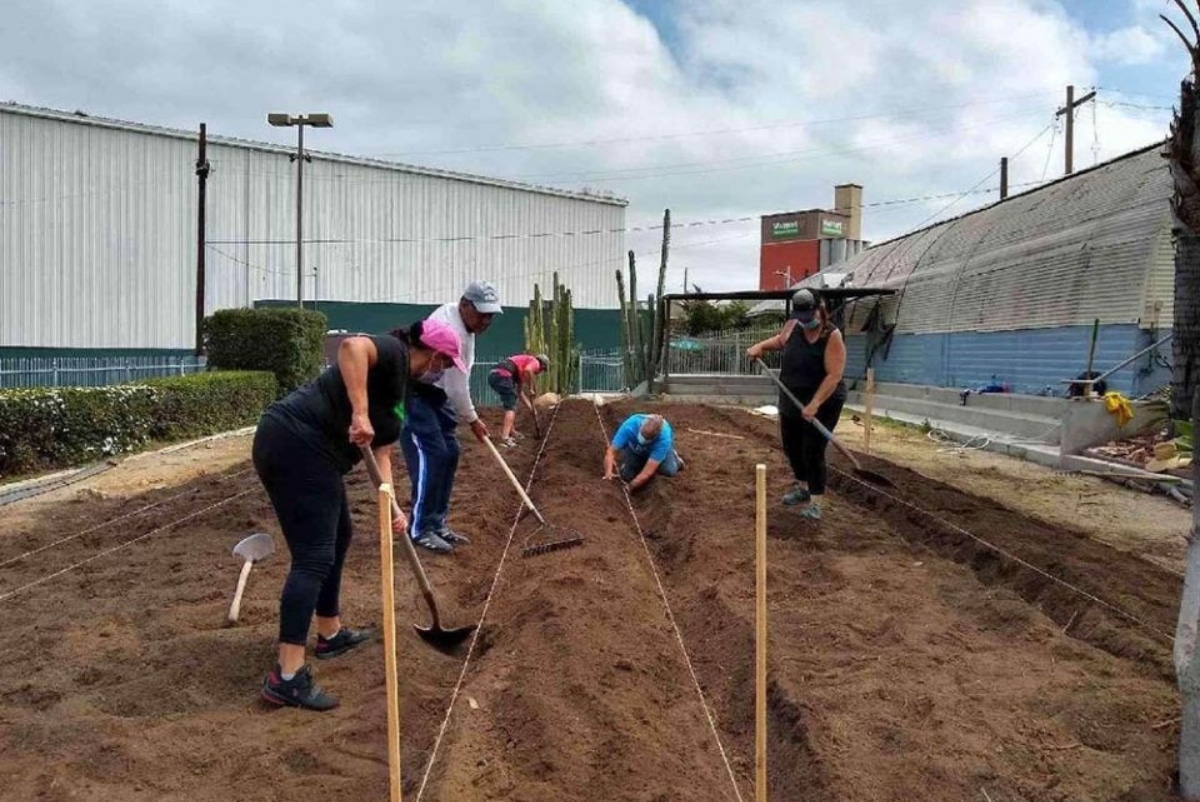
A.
pixel 814 358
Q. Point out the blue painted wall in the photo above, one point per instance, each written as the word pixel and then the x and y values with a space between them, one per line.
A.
pixel 1028 361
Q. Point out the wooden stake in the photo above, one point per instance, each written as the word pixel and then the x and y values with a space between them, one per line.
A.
pixel 389 638
pixel 869 410
pixel 760 638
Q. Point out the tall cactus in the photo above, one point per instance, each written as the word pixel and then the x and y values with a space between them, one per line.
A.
pixel 626 334
pixel 659 325
pixel 643 336
pixel 635 327
pixel 555 338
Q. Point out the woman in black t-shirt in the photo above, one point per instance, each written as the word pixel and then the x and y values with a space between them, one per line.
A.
pixel 814 358
pixel 304 445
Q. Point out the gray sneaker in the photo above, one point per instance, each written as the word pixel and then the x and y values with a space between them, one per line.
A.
pixel 797 495
pixel 431 541
pixel 812 512
pixel 453 538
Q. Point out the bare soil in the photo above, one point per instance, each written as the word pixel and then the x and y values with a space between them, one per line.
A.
pixel 908 659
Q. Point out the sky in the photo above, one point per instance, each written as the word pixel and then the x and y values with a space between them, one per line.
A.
pixel 716 109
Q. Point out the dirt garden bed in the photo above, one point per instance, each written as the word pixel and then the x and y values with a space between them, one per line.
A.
pixel 908 659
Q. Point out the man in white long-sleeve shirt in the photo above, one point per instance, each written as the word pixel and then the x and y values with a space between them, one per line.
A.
pixel 436 405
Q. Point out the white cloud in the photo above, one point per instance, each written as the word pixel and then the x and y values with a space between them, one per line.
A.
pixel 908 99
pixel 1128 46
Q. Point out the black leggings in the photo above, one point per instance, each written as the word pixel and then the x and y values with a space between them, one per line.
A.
pixel 309 497
pixel 805 446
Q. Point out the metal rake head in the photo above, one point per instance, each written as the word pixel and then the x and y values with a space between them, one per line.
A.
pixel 554 545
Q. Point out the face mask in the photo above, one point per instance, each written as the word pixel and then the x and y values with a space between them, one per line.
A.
pixel 815 323
pixel 431 376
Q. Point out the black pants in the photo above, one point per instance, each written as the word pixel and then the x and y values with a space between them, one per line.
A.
pixel 804 445
pixel 309 497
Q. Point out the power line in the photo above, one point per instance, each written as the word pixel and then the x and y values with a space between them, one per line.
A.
pixel 596 231
pixel 1050 150
pixel 1120 104
pixel 749 162
pixel 987 177
pixel 663 170
pixel 897 114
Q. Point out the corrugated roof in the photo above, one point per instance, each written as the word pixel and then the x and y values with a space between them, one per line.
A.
pixel 1096 244
pixel 153 130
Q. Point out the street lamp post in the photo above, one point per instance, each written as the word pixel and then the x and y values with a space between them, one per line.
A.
pixel 787 276
pixel 284 121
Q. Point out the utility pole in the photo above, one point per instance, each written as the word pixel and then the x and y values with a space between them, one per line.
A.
pixel 685 280
pixel 299 159
pixel 202 170
pixel 1004 178
pixel 1069 111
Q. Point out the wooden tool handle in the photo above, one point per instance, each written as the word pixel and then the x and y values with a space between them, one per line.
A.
pixel 828 435
pixel 235 609
pixel 760 634
pixel 389 637
pixel 515 482
pixel 410 553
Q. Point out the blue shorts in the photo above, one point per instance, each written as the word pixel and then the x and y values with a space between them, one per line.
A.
pixel 505 387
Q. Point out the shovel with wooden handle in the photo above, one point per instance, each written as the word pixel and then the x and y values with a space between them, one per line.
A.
pixel 258 546
pixel 443 638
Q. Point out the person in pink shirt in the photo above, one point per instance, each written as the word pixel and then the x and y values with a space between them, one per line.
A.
pixel 515 379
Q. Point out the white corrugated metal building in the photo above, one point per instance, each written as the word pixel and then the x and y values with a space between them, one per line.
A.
pixel 1010 292
pixel 98 232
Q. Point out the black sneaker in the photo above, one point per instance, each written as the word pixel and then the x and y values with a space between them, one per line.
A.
pixel 452 537
pixel 345 640
pixel 431 541
pixel 299 691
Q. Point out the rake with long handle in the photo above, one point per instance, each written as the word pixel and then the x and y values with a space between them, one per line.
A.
pixel 859 470
pixel 565 538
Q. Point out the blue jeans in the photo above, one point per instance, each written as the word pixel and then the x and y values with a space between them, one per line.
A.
pixel 632 459
pixel 431 452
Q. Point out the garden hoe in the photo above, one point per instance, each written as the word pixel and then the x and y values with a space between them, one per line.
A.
pixel 435 635
pixel 258 546
pixel 564 538
pixel 859 470
pixel 537 425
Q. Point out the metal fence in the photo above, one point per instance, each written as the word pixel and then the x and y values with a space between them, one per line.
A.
pixel 92 371
pixel 718 352
pixel 598 372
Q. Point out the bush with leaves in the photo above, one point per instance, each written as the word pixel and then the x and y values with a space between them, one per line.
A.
pixel 55 427
pixel 287 342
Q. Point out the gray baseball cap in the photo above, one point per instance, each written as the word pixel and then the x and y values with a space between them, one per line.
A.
pixel 483 297
pixel 803 300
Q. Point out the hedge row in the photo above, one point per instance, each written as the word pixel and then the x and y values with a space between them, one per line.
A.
pixel 55 427
pixel 288 342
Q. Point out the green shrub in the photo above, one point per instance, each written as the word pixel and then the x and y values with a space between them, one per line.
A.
pixel 287 342
pixel 56 427
pixel 205 403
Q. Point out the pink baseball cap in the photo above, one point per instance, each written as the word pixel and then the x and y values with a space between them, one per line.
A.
pixel 440 337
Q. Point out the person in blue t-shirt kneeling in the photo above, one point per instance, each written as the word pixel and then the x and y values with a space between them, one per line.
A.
pixel 644 446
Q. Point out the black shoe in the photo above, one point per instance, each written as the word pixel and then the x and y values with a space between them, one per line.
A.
pixel 430 541
pixel 299 691
pixel 345 640
pixel 452 537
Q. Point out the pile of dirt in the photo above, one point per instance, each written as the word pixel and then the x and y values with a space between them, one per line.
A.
pixel 908 661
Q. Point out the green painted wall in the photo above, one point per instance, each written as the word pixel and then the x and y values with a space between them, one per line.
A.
pixel 594 328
